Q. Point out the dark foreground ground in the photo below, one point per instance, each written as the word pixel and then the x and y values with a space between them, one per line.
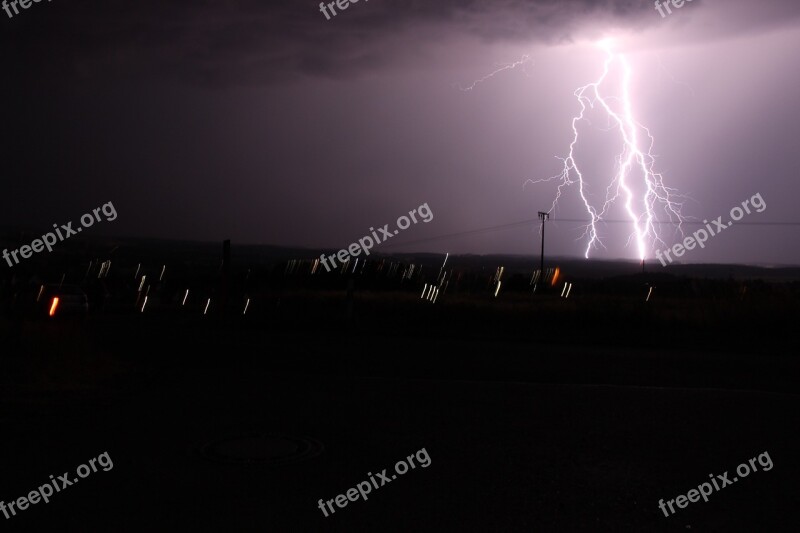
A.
pixel 213 426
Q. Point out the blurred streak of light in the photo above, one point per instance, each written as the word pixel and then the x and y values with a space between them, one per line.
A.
pixel 447 254
pixel 314 266
pixel 246 306
pixel 555 276
pixel 436 295
pixel 144 304
pixel 207 304
pixel 424 290
pixel 142 283
pixel 88 269
pixel 54 306
pixel 498 274
pixel 137 271
pixel 433 295
pixel 648 294
pixel 163 269
pixel 355 265
pixel 184 297
pixel 497 290
pixel 567 287
pixel 39 296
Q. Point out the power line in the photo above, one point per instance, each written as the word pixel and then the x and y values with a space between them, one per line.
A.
pixel 685 222
pixel 490 229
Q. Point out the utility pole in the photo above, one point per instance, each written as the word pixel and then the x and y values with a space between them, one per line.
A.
pixel 226 274
pixel 542 216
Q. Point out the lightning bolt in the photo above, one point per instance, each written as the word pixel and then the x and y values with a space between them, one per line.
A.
pixel 635 161
pixel 522 61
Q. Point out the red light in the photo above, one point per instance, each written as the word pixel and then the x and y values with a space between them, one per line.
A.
pixel 54 306
pixel 555 276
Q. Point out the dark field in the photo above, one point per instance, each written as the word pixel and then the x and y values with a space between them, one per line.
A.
pixel 538 412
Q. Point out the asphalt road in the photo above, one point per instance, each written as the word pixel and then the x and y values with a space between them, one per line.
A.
pixel 254 439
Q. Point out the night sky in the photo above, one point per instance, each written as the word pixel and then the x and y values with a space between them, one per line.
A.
pixel 265 123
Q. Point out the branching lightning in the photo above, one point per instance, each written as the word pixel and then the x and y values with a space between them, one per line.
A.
pixel 635 161
pixel 522 61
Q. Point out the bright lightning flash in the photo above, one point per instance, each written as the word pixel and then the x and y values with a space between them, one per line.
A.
pixel 635 162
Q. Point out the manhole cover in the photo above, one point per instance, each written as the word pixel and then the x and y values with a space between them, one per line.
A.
pixel 257 448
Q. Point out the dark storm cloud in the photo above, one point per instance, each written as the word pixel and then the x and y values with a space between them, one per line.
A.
pixel 250 42
pixel 224 42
